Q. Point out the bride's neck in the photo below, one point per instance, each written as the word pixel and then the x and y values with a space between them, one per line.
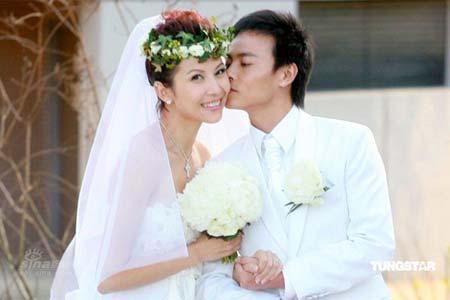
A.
pixel 182 130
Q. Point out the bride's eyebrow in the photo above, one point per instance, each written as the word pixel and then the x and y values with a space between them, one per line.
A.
pixel 195 70
pixel 221 64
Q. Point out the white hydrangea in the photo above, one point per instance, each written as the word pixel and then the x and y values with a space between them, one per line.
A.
pixel 166 52
pixel 183 51
pixel 154 47
pixel 221 199
pixel 225 44
pixel 304 184
pixel 196 50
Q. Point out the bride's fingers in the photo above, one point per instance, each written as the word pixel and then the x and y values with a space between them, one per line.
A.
pixel 232 246
pixel 236 243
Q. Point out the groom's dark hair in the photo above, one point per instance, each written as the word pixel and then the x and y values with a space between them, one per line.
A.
pixel 292 45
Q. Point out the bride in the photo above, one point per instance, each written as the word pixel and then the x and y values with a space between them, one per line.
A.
pixel 130 238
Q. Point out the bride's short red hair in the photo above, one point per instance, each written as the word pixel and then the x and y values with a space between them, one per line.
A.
pixel 177 20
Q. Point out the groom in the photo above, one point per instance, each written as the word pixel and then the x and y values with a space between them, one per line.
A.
pixel 326 249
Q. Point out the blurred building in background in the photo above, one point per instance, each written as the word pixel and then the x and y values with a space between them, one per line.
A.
pixel 384 64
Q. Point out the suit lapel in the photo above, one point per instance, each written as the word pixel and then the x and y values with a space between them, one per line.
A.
pixel 305 148
pixel 269 217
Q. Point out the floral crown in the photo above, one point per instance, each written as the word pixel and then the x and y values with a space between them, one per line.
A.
pixel 166 51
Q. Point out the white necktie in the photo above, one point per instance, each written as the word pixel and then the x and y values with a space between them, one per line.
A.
pixel 272 154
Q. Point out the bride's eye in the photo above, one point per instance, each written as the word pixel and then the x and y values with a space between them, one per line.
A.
pixel 221 71
pixel 228 62
pixel 196 77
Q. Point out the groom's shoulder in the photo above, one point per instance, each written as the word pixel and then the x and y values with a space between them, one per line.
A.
pixel 340 128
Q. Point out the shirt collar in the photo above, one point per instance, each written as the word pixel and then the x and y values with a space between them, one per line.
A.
pixel 282 131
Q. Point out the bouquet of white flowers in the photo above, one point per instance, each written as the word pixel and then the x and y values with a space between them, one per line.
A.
pixel 221 200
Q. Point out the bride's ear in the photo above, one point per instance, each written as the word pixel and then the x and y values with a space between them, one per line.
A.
pixel 288 73
pixel 164 93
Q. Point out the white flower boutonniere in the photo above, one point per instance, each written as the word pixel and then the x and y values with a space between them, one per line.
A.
pixel 304 185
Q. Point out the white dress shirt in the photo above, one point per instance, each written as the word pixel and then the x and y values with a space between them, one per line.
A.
pixel 285 134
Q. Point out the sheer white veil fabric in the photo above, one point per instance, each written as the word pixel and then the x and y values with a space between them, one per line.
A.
pixel 127 172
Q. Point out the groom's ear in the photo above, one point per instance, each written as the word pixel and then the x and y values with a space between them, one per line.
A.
pixel 288 73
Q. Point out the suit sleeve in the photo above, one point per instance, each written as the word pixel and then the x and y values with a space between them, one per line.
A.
pixel 370 236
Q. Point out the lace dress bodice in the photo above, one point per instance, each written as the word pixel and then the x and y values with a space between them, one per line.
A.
pixel 156 218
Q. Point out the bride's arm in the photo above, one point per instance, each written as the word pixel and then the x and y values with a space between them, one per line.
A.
pixel 202 250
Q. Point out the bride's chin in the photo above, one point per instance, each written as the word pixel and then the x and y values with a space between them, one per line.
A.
pixel 213 118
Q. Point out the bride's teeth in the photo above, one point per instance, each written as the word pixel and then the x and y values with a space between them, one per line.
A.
pixel 211 104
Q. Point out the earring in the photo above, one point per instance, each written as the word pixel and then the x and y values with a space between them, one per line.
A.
pixel 169 101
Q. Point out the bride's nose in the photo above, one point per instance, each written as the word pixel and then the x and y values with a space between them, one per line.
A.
pixel 216 87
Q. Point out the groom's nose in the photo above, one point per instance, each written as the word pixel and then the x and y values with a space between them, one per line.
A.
pixel 232 73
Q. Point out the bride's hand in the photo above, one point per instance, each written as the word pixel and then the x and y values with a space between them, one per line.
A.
pixel 209 249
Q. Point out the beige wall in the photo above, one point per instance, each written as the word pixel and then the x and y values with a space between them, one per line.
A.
pixel 412 130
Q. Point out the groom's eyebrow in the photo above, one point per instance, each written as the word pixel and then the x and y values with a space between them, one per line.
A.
pixel 244 54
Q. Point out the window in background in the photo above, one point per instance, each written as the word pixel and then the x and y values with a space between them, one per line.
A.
pixel 376 44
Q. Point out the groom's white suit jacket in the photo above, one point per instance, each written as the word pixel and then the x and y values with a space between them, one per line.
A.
pixel 326 250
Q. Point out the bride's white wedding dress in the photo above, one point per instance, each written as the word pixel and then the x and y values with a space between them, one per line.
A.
pixel 180 286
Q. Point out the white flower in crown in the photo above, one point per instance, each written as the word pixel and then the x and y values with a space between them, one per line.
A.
pixel 154 47
pixel 166 52
pixel 184 52
pixel 225 44
pixel 304 185
pixel 196 50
